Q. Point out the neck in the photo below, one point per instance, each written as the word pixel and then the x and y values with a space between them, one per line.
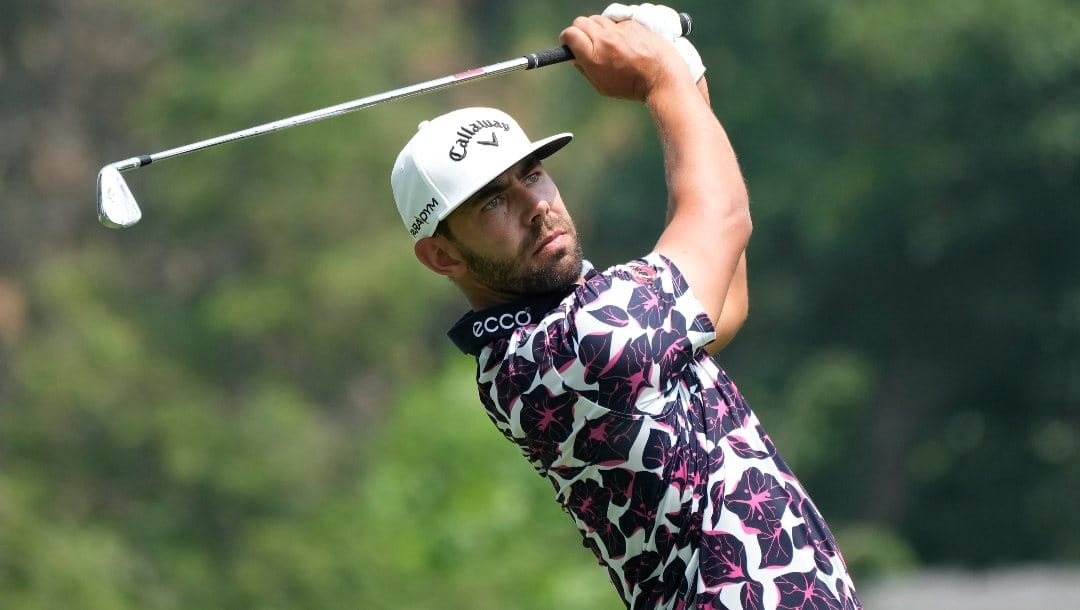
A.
pixel 482 297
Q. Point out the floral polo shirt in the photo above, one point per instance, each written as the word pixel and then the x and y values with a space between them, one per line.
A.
pixel 652 451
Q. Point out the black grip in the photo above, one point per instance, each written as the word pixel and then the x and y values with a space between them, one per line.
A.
pixel 556 55
pixel 550 56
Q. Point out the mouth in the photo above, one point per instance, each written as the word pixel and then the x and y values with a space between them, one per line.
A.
pixel 549 243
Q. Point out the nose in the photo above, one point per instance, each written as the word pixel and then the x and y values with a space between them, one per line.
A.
pixel 536 207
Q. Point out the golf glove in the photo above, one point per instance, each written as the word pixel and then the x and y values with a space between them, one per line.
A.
pixel 664 21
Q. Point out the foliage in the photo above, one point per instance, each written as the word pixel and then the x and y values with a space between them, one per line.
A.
pixel 247 399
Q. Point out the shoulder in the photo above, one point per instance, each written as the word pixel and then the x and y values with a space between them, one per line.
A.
pixel 644 291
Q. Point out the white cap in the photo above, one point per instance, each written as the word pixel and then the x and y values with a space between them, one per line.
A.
pixel 453 156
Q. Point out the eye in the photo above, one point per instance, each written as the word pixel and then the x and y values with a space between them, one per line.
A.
pixel 493 203
pixel 532 178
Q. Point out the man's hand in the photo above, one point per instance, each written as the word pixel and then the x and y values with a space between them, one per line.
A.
pixel 665 22
pixel 623 60
pixel 657 17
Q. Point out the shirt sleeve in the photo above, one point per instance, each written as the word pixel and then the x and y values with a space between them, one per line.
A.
pixel 632 331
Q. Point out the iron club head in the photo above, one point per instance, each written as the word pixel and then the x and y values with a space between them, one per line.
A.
pixel 116 204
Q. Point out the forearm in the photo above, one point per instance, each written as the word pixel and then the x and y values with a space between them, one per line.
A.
pixel 708 209
pixel 703 88
pixel 699 163
pixel 736 306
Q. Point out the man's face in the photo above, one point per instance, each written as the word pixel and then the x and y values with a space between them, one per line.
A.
pixel 515 235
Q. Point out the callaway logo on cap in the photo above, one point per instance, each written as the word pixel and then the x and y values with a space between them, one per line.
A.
pixel 453 156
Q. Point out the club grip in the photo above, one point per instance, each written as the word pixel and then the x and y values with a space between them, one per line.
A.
pixel 559 54
pixel 554 55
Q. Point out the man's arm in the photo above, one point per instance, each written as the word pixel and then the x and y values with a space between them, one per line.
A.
pixel 736 308
pixel 708 204
pixel 737 300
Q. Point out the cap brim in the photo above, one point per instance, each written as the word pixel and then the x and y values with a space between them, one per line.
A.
pixel 541 149
pixel 548 146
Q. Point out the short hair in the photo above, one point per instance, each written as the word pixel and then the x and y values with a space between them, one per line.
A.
pixel 443 229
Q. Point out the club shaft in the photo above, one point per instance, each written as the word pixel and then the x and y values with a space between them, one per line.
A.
pixel 520 63
pixel 538 59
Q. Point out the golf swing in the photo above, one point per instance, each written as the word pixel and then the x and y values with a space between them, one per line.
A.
pixel 604 380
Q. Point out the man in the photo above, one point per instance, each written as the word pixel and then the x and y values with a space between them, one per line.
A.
pixel 604 380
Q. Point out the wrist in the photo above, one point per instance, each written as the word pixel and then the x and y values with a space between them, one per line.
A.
pixel 673 90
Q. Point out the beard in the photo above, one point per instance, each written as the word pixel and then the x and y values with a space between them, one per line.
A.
pixel 537 277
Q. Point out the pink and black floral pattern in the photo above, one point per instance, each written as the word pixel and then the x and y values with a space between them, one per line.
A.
pixel 652 450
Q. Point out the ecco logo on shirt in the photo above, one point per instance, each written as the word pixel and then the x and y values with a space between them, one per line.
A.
pixel 506 321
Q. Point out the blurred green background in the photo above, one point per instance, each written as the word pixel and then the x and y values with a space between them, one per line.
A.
pixel 247 400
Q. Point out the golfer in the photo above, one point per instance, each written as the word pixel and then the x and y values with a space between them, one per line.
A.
pixel 605 380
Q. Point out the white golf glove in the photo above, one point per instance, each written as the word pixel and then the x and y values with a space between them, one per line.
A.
pixel 664 21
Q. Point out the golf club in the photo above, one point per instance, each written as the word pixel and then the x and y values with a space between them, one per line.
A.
pixel 117 207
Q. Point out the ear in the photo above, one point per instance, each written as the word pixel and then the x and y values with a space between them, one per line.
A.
pixel 439 255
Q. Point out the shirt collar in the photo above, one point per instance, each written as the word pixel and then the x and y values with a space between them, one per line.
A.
pixel 477 329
